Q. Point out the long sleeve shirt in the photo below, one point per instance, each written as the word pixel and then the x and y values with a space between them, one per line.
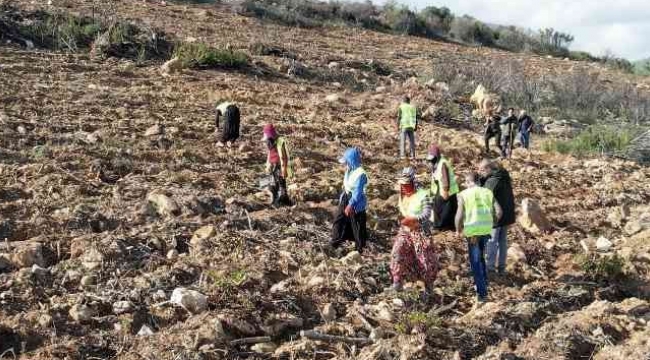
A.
pixel 358 199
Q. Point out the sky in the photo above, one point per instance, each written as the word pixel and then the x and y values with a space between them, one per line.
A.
pixel 621 27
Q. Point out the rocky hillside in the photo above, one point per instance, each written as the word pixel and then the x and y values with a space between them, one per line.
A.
pixel 130 235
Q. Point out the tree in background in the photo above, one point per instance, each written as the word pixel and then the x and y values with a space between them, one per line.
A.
pixel 437 20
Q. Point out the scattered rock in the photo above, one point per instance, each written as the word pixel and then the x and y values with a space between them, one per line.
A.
pixel 516 254
pixel 380 89
pixel 316 281
pixel 81 313
pixel 40 271
pixel 92 259
pixel 279 287
pixel 193 301
pixel 21 130
pixel 28 255
pixel 45 320
pixel 333 98
pixel 633 227
pixel 603 244
pixel 163 205
pixel 202 234
pixel 264 348
pixel 172 254
pixel 172 66
pixel 154 130
pixel 329 313
pixel 352 258
pixel 239 325
pixel 532 218
pixel 122 307
pixel 145 331
pixel 5 264
pixel 88 280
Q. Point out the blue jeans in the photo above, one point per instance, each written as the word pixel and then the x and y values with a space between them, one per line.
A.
pixel 498 244
pixel 477 263
pixel 410 135
pixel 525 139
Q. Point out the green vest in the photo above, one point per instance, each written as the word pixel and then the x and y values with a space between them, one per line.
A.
pixel 477 206
pixel 412 205
pixel 437 177
pixel 279 143
pixel 408 116
pixel 350 181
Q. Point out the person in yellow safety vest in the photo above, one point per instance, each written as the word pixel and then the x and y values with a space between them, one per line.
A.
pixel 413 256
pixel 444 188
pixel 230 132
pixel 477 212
pixel 278 164
pixel 407 125
pixel 350 221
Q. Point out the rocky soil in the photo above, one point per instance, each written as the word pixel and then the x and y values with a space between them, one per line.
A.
pixel 128 234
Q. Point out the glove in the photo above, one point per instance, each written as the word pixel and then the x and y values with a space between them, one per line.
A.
pixel 349 211
pixel 410 222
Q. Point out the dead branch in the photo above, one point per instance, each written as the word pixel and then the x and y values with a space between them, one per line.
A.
pixel 251 340
pixel 314 335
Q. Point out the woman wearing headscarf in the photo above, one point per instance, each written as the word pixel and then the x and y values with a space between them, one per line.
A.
pixel 413 256
pixel 230 131
pixel 443 190
pixel 350 221
pixel 278 164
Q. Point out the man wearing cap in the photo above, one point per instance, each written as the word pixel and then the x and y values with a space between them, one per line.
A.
pixel 407 125
pixel 443 189
pixel 477 212
pixel 350 221
pixel 413 256
pixel 230 132
pixel 278 164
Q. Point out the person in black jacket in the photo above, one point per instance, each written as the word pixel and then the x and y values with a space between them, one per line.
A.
pixel 492 130
pixel 497 179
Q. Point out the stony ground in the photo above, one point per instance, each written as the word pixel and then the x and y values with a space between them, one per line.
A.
pixel 116 205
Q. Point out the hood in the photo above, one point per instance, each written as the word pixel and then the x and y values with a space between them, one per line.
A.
pixel 351 157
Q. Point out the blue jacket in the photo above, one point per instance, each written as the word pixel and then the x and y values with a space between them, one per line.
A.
pixel 358 199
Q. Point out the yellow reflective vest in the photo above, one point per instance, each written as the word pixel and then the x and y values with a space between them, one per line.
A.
pixel 478 203
pixel 437 177
pixel 408 116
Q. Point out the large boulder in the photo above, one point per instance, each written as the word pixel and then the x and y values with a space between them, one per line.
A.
pixel 532 217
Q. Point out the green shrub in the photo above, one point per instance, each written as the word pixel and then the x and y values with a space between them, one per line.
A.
pixel 602 268
pixel 200 55
pixel 594 140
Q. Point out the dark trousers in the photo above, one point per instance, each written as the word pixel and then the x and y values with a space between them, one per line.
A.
pixel 279 188
pixel 445 213
pixel 349 228
pixel 505 146
pixel 476 247
pixel 230 130
pixel 489 134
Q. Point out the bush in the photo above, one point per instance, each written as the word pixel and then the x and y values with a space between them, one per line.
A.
pixel 62 31
pixel 602 268
pixel 595 140
pixel 193 55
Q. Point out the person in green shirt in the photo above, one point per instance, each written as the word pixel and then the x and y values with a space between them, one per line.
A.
pixel 407 125
pixel 477 212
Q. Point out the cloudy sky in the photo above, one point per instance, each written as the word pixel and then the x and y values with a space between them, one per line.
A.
pixel 620 26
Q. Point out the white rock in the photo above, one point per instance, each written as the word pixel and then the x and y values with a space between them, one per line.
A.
pixel 88 280
pixel 172 254
pixel 264 348
pixel 279 287
pixel 26 256
pixel 603 244
pixel 516 254
pixel 154 130
pixel 316 281
pixel 145 331
pixel 81 313
pixel 333 98
pixel 92 259
pixel 39 271
pixel 533 218
pixel 353 258
pixel 21 130
pixel 193 301
pixel 122 307
pixel 163 204
pixel 329 313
